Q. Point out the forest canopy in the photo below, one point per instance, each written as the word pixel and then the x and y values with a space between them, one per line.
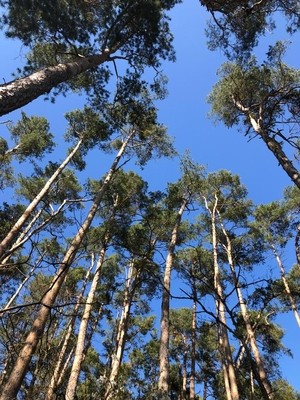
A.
pixel 115 286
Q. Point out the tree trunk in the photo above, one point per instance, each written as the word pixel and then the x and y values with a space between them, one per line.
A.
pixel 273 145
pixel 286 285
pixel 297 247
pixel 18 93
pixel 228 367
pixel 12 234
pixel 57 370
pixel 22 284
pixel 245 315
pixel 184 367
pixel 163 383
pixel 121 334
pixel 80 345
pixel 21 366
pixel 193 353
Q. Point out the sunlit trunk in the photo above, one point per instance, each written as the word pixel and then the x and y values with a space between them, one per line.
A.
pixel 61 355
pixel 245 315
pixel 193 352
pixel 121 333
pixel 231 386
pixel 286 285
pixel 81 337
pixel 13 233
pixel 163 383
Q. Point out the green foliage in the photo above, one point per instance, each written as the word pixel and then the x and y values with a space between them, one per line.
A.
pixel 64 31
pixel 269 92
pixel 8 214
pixel 32 137
pixel 237 25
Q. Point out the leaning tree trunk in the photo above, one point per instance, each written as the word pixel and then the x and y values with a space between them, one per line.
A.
pixel 20 92
pixel 22 284
pixel 163 383
pixel 13 233
pixel 273 145
pixel 21 366
pixel 225 348
pixel 80 345
pixel 250 333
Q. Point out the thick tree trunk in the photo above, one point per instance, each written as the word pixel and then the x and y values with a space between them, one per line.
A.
pixel 57 370
pixel 13 233
pixel 225 348
pixel 80 345
pixel 245 315
pixel 163 383
pixel 20 92
pixel 121 334
pixel 21 366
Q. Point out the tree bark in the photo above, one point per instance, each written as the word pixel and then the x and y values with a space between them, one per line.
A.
pixel 231 386
pixel 121 334
pixel 163 383
pixel 286 285
pixel 12 234
pixel 273 145
pixel 297 246
pixel 18 93
pixel 245 316
pixel 80 345
pixel 193 353
pixel 57 370
pixel 21 366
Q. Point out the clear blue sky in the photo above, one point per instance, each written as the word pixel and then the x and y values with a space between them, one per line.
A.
pixel 184 112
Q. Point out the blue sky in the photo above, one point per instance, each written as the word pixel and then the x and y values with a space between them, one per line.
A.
pixel 184 112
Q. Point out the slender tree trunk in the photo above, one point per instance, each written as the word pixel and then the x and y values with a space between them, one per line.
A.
pixel 21 366
pixel 21 239
pixel 228 367
pixel 193 353
pixel 252 384
pixel 245 315
pixel 13 233
pixel 20 92
pixel 184 367
pixel 22 284
pixel 57 370
pixel 163 383
pixel 80 345
pixel 117 355
pixel 297 246
pixel 286 285
pixel 205 389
